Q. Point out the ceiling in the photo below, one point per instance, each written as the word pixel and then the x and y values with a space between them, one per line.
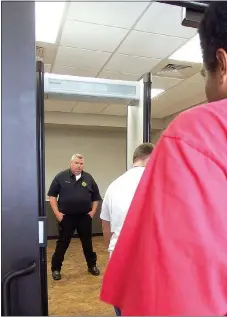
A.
pixel 124 40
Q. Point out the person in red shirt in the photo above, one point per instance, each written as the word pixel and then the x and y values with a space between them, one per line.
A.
pixel 171 256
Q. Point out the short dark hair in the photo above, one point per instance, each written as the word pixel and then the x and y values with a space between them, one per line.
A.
pixel 142 151
pixel 213 33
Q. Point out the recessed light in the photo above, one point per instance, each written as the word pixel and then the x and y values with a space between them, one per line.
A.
pixel 48 16
pixel 156 92
pixel 189 52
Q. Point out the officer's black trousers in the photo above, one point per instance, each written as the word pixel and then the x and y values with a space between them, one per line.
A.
pixel 83 224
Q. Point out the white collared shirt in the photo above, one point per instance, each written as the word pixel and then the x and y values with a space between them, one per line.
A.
pixel 78 177
pixel 117 201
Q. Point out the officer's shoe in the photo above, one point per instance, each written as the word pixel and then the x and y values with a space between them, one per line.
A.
pixel 94 270
pixel 56 275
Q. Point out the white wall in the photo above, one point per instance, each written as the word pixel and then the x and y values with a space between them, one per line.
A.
pixel 104 151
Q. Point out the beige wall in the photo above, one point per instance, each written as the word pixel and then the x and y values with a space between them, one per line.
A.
pixel 104 151
pixel 155 136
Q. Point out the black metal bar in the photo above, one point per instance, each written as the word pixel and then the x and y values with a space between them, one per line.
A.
pixel 6 309
pixel 147 108
pixel 198 6
pixel 41 177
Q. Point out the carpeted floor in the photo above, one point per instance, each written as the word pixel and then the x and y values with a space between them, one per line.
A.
pixel 77 294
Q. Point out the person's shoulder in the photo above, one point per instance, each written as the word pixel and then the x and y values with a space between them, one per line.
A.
pixel 115 184
pixel 121 177
pixel 87 175
pixel 62 174
pixel 127 177
pixel 197 125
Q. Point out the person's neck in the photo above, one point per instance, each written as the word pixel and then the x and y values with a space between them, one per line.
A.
pixel 76 174
pixel 139 164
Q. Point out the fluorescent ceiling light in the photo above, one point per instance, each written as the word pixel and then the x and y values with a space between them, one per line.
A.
pixel 189 52
pixel 48 17
pixel 156 92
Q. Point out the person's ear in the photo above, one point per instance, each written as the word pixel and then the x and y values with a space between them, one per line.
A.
pixel 221 56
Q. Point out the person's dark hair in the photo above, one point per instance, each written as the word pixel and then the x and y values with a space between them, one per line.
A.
pixel 142 151
pixel 213 33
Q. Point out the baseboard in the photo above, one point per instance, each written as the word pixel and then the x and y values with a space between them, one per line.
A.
pixel 75 236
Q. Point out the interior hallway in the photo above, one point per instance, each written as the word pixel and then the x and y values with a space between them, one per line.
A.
pixel 77 294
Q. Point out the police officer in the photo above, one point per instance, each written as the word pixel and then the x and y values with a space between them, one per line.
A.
pixel 78 197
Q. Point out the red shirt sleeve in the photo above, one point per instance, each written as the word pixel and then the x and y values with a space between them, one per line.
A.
pixel 171 257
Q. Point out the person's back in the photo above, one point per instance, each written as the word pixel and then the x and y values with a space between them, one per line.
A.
pixel 118 200
pixel 119 196
pixel 182 245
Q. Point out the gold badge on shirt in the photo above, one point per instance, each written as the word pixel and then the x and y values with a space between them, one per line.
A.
pixel 84 184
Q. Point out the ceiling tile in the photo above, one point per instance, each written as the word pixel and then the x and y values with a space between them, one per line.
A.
pixel 166 69
pixel 73 71
pixel 118 76
pixel 81 58
pixel 164 82
pixel 107 12
pixel 58 105
pixel 190 102
pixel 115 110
pixel 183 91
pixel 157 82
pixel 158 105
pixel 89 107
pixel 91 36
pixel 178 98
pixel 164 19
pixel 150 45
pixel 198 77
pixel 130 64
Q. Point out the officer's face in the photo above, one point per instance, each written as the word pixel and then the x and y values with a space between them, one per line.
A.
pixel 77 166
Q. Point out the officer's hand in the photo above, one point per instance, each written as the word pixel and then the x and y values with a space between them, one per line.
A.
pixel 59 216
pixel 91 214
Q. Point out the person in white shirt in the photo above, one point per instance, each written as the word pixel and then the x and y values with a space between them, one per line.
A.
pixel 119 196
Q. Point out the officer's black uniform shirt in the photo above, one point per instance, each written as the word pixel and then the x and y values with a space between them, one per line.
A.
pixel 74 196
